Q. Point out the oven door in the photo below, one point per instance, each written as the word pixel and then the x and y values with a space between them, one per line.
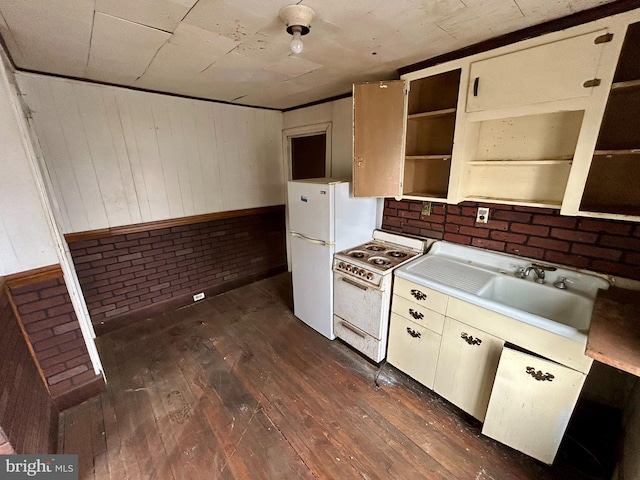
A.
pixel 361 304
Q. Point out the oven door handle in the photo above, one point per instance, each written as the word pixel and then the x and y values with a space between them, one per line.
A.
pixel 354 283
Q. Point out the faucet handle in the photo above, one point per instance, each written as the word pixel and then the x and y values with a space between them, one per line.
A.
pixel 519 273
pixel 561 283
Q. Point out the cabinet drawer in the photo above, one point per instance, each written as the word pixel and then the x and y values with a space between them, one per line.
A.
pixel 359 339
pixel 421 295
pixel 413 349
pixel 418 313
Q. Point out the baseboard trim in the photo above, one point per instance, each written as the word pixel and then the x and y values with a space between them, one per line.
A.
pixel 80 394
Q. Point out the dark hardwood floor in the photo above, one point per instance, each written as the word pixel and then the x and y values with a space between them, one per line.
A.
pixel 236 387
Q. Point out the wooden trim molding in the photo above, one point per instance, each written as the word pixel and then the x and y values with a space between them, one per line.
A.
pixel 37 275
pixel 172 222
pixel 578 18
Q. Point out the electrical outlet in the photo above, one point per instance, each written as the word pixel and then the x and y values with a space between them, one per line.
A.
pixel 483 215
pixel 198 296
pixel 426 209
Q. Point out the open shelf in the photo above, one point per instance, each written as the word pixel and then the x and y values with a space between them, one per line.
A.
pixel 612 185
pixel 434 113
pixel 428 157
pixel 611 153
pixel 628 84
pixel 435 93
pixel 427 178
pixel 430 137
pixel 550 161
pixel 517 201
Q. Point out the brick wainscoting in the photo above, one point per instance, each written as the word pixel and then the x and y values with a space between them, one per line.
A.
pixel 28 416
pixel 605 246
pixel 128 276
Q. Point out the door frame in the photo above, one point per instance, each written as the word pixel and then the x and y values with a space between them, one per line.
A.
pixel 305 131
pixel 287 135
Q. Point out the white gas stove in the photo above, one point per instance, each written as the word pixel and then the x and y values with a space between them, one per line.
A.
pixel 362 289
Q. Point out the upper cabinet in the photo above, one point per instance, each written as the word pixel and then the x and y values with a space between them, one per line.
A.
pixel 404 136
pixel 543 122
pixel 612 188
pixel 554 71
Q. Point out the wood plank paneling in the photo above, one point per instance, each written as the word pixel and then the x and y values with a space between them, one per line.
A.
pixel 120 157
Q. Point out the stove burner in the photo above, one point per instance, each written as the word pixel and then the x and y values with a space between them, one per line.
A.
pixel 382 262
pixel 375 248
pixel 396 254
pixel 357 254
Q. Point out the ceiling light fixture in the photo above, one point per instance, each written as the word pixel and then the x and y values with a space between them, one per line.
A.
pixel 298 19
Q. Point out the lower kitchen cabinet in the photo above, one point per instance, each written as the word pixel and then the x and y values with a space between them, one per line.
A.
pixel 467 365
pixel 413 349
pixel 531 403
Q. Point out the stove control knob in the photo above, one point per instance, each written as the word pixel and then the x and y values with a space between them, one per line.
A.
pixel 341 265
pixel 348 268
pixel 369 276
pixel 361 273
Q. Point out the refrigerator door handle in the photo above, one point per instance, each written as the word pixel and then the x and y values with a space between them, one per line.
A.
pixel 312 240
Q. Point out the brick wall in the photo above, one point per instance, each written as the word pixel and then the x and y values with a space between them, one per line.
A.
pixel 47 313
pixel 605 246
pixel 124 274
pixel 28 416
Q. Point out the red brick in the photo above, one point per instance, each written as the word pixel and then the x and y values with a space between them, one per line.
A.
pixel 490 244
pixel 469 221
pixel 58 340
pixel 77 343
pixel 99 249
pixel 510 216
pixel 53 370
pixel 537 230
pixel 87 258
pixel 555 221
pixel 138 235
pixel 61 358
pixel 574 235
pixel 126 244
pixel 632 258
pixel 624 243
pixel 60 388
pixel 116 311
pixel 131 256
pixel 67 327
pixel 508 237
pixel 474 232
pixel 607 226
pixel 113 239
pixel 67 374
pixel 83 244
pixel 61 309
pixel 41 304
pixel 453 210
pixel 617 269
pixel 85 377
pixel 596 252
pixel 541 211
pixel 49 322
pixel 41 335
pixel 461 239
pixel 549 244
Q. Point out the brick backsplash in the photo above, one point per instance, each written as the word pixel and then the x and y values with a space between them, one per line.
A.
pixel 605 246
pixel 47 313
pixel 124 274
pixel 28 416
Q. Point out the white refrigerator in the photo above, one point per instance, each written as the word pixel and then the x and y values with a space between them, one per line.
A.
pixel 323 219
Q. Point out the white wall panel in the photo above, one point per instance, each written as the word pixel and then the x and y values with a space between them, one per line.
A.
pixel 119 157
pixel 25 238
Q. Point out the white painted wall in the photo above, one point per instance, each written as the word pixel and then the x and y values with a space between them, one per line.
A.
pixel 119 157
pixel 25 239
pixel 339 112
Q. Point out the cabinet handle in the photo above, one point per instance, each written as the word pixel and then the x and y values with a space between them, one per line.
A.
pixel 418 295
pixel 539 376
pixel 592 83
pixel 353 329
pixel 355 284
pixel 413 333
pixel 415 314
pixel 469 339
pixel 476 83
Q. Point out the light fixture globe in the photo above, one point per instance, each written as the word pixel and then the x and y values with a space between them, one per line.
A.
pixel 298 20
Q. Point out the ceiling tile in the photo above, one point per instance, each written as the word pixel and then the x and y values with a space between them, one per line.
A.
pixel 122 49
pixel 480 20
pixel 293 66
pixel 200 40
pixel 226 19
pixel 52 36
pixel 161 14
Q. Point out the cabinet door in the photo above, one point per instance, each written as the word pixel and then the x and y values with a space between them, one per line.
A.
pixel 413 349
pixel 379 111
pixel 531 403
pixel 554 71
pixel 466 367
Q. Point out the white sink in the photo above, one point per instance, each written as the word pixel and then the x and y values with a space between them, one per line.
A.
pixel 487 279
pixel 562 306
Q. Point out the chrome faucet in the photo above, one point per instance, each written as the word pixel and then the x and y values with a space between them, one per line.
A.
pixel 538 269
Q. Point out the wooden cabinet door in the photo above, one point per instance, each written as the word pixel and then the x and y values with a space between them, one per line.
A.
pixel 467 366
pixel 379 113
pixel 553 71
pixel 413 349
pixel 531 403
